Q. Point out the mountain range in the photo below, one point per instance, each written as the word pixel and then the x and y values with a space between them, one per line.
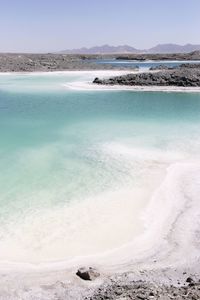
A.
pixel 107 49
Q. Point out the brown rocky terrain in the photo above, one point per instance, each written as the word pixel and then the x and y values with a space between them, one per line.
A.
pixel 16 62
pixel 48 62
pixel 195 55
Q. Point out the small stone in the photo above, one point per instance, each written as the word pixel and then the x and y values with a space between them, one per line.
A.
pixel 191 284
pixel 87 273
pixel 189 280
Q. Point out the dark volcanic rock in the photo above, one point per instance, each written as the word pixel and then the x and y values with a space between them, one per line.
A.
pixel 189 66
pixel 97 80
pixel 189 280
pixel 161 67
pixel 183 76
pixel 87 273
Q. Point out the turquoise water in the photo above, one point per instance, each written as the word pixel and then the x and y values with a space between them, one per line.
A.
pixel 74 163
pixel 143 65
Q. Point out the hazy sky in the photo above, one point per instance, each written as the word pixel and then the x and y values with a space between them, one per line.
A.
pixel 51 25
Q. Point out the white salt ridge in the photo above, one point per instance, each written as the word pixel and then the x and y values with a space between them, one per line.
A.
pixel 172 221
pixel 89 86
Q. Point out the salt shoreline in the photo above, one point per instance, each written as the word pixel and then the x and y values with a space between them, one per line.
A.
pixel 166 261
pixel 87 86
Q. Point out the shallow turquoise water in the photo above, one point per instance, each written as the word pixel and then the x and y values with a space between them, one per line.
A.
pixel 142 64
pixel 59 147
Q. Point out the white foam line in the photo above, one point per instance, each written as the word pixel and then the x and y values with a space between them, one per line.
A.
pixel 88 86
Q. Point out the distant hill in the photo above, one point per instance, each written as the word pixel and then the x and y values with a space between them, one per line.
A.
pixel 161 48
pixel 105 49
pixel 173 48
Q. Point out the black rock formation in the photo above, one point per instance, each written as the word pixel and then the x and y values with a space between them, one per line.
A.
pixel 184 76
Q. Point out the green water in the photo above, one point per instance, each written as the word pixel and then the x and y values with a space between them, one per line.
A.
pixel 59 147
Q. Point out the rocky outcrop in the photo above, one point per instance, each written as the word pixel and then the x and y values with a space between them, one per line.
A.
pixel 161 67
pixel 87 273
pixel 184 76
pixel 195 55
pixel 182 66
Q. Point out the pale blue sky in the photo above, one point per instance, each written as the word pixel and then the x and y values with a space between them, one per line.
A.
pixel 51 25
